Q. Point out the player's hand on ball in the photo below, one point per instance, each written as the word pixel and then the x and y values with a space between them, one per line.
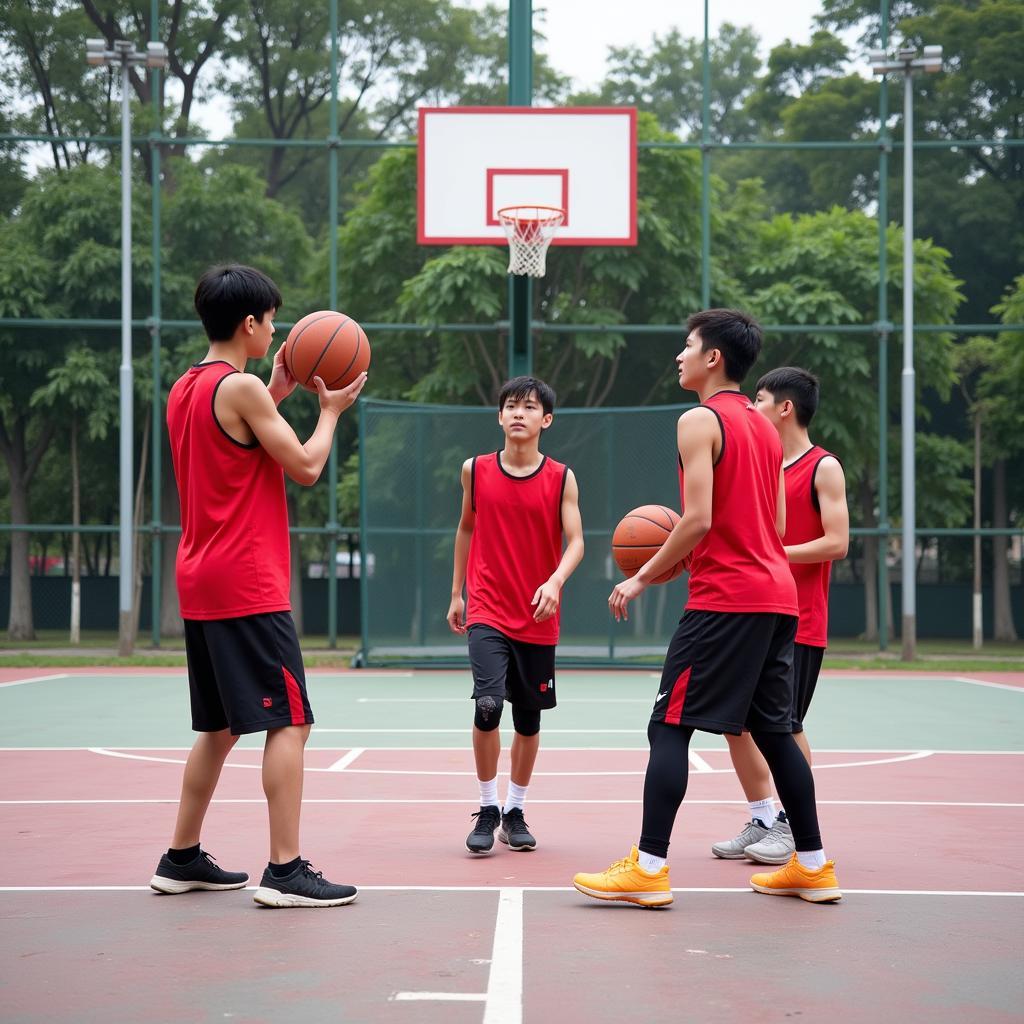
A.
pixel 621 595
pixel 546 599
pixel 338 401
pixel 457 615
pixel 282 383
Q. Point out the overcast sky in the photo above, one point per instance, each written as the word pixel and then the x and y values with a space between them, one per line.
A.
pixel 579 32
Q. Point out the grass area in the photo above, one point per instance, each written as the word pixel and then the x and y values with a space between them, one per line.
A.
pixel 51 649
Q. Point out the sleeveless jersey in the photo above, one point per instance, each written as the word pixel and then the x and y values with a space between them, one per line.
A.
pixel 233 557
pixel 516 546
pixel 803 523
pixel 740 565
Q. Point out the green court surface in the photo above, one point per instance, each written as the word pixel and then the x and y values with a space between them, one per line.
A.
pixel 432 709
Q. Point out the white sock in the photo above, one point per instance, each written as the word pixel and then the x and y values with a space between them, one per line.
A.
pixel 811 859
pixel 516 797
pixel 763 811
pixel 651 864
pixel 489 792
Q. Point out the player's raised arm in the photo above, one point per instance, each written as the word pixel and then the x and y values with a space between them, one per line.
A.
pixel 830 488
pixel 246 398
pixel 463 535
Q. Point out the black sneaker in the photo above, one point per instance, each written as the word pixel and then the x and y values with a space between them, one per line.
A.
pixel 514 831
pixel 481 839
pixel 201 873
pixel 304 887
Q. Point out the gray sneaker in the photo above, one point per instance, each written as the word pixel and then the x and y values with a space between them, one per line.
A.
pixel 776 847
pixel 733 849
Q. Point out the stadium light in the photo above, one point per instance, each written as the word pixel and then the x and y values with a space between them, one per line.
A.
pixel 122 53
pixel 906 62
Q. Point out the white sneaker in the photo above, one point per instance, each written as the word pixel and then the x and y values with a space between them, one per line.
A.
pixel 735 849
pixel 776 847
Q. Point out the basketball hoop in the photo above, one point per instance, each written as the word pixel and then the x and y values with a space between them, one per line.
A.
pixel 529 230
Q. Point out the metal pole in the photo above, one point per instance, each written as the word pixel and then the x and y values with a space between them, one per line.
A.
pixel 332 290
pixel 125 639
pixel 909 587
pixel 520 94
pixel 705 167
pixel 157 433
pixel 883 346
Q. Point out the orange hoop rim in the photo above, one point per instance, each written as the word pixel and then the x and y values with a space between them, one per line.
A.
pixel 508 214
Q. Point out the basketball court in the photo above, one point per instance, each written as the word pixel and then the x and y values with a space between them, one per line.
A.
pixel 919 787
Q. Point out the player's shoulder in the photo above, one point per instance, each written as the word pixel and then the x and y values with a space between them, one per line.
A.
pixel 699 417
pixel 828 468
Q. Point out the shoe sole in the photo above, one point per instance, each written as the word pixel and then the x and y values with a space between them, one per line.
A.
pixel 174 886
pixel 503 838
pixel 273 898
pixel 739 855
pixel 480 853
pixel 641 899
pixel 810 895
pixel 761 858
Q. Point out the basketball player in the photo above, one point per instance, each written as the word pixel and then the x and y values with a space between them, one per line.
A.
pixel 517 506
pixel 817 532
pixel 729 665
pixel 231 449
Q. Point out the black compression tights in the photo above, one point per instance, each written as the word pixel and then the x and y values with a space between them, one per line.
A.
pixel 668 770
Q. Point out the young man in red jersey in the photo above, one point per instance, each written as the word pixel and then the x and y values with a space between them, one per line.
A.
pixel 517 506
pixel 729 666
pixel 817 533
pixel 231 449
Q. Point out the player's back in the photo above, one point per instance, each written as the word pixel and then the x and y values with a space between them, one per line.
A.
pixel 740 565
pixel 233 557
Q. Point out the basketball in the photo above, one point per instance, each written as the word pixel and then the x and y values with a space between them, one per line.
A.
pixel 328 345
pixel 638 538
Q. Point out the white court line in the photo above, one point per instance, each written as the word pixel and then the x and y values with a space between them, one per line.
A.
pixel 35 679
pixel 705 770
pixel 343 762
pixel 547 732
pixel 533 888
pixel 505 982
pixel 985 682
pixel 539 800
pixel 571 750
pixel 447 997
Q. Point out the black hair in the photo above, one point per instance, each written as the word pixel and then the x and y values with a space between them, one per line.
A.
pixel 798 385
pixel 519 388
pixel 736 334
pixel 227 294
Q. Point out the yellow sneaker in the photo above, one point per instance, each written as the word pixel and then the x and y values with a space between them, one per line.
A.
pixel 794 879
pixel 626 882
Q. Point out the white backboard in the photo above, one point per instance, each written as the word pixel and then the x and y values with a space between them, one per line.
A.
pixel 475 160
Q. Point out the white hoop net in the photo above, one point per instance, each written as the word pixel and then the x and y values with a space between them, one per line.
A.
pixel 529 230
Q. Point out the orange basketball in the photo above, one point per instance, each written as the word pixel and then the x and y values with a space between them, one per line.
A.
pixel 328 345
pixel 639 536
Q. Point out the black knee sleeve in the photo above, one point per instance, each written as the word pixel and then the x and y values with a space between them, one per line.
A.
pixel 526 720
pixel 488 713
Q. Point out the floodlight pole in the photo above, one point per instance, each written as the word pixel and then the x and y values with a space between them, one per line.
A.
pixel 906 63
pixel 520 94
pixel 155 56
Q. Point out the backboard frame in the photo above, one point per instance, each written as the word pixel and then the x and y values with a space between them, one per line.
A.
pixel 533 164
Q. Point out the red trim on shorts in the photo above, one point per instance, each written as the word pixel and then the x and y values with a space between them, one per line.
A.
pixel 674 711
pixel 294 698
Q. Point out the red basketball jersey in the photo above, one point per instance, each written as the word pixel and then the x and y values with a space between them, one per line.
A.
pixel 740 565
pixel 516 546
pixel 233 557
pixel 803 523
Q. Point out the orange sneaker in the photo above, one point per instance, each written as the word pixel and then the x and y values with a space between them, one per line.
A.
pixel 794 879
pixel 626 882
